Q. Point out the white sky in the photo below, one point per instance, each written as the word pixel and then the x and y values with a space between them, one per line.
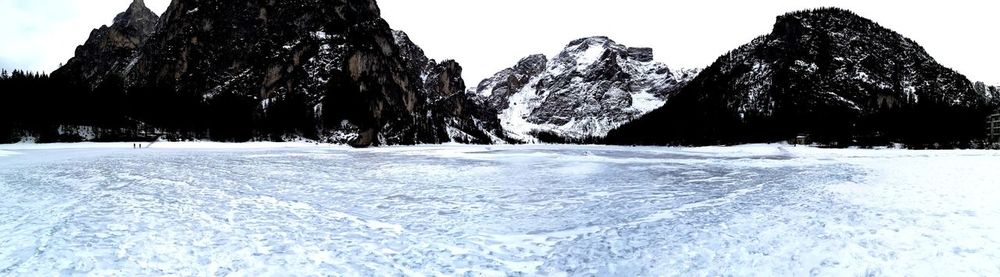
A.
pixel 486 36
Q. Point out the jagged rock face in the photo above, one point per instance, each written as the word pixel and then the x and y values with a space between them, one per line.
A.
pixel 465 120
pixel 331 52
pixel 110 49
pixel 591 87
pixel 412 55
pixel 497 91
pixel 993 93
pixel 826 72
pixel 444 80
pixel 331 68
pixel 460 119
pixel 990 92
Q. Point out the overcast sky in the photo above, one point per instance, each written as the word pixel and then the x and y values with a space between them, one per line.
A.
pixel 486 36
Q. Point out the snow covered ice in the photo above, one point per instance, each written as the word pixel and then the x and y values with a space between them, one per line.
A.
pixel 296 209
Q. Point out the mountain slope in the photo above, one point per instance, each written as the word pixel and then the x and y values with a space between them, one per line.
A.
pixel 591 87
pixel 263 70
pixel 828 73
pixel 110 49
pixel 990 92
pixel 464 120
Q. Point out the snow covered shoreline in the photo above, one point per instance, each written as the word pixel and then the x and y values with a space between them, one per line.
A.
pixel 745 148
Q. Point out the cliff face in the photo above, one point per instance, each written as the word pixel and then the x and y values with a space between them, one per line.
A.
pixel 327 70
pixel 591 87
pixel 990 92
pixel 464 120
pixel 110 49
pixel 828 73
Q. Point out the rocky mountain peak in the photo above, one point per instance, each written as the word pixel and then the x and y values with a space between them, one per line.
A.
pixel 604 40
pixel 365 81
pixel 593 85
pixel 585 52
pixel 824 20
pixel 330 70
pixel 827 17
pixel 411 53
pixel 111 48
pixel 137 15
pixel 137 7
pixel 533 64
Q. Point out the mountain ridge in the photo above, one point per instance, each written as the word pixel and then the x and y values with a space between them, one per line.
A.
pixel 335 71
pixel 110 48
pixel 826 72
pixel 594 84
pixel 332 71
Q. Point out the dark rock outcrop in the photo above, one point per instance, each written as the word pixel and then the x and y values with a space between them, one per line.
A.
pixel 990 92
pixel 463 120
pixel 110 49
pixel 828 73
pixel 274 70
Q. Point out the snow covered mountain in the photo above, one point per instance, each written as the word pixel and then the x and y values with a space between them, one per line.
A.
pixel 592 86
pixel 265 70
pixel 828 73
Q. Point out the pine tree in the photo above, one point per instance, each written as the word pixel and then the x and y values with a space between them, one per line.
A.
pixel 3 75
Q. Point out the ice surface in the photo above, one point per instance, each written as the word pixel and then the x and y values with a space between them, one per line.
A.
pixel 205 210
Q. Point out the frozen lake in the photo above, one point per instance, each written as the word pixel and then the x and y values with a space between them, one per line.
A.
pixel 177 209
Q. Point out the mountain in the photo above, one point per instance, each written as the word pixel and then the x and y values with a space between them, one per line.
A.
pixel 990 92
pixel 110 49
pixel 591 87
pixel 464 120
pixel 262 70
pixel 826 73
pixel 62 107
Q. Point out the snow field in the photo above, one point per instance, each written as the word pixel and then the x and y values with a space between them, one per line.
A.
pixel 300 209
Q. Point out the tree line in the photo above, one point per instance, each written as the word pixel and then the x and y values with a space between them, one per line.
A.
pixel 46 108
